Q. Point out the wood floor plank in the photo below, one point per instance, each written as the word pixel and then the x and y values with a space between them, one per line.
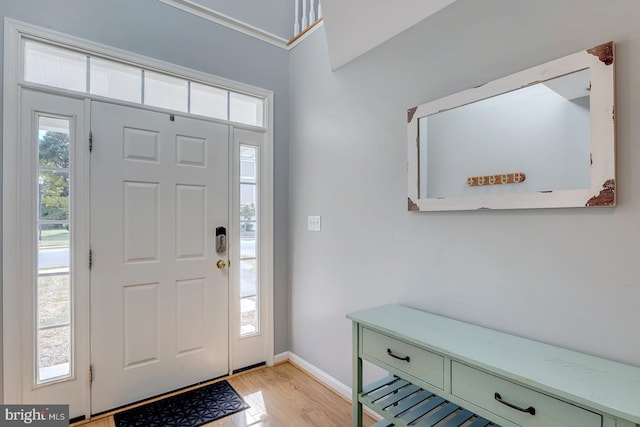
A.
pixel 279 396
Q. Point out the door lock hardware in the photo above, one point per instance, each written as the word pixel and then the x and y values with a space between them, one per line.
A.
pixel 221 240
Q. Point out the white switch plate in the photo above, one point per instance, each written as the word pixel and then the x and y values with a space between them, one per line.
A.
pixel 313 223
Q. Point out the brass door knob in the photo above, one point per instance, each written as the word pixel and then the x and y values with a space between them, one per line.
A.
pixel 221 264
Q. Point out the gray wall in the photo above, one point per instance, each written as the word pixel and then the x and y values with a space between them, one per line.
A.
pixel 569 277
pixel 273 16
pixel 151 28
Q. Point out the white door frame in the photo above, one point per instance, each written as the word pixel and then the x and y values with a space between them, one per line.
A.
pixel 76 110
pixel 14 31
pixel 245 350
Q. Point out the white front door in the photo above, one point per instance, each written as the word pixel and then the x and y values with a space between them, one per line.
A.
pixel 159 303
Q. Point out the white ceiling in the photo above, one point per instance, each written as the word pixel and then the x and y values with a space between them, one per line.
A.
pixel 354 27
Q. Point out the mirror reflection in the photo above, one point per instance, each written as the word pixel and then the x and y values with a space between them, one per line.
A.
pixel 541 131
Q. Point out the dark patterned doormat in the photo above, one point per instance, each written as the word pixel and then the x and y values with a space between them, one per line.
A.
pixel 190 409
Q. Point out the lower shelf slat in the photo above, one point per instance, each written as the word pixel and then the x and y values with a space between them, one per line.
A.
pixel 408 403
pixel 387 390
pixel 435 417
pixel 394 398
pixel 403 404
pixel 422 409
pixel 459 419
pixel 480 422
pixel 376 385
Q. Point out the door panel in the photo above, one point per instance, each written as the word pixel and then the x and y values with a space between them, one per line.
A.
pixel 159 304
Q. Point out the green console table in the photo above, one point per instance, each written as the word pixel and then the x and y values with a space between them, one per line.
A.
pixel 448 373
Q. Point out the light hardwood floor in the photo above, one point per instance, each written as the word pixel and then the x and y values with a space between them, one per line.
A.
pixel 282 396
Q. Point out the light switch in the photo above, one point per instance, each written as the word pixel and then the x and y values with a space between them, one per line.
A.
pixel 313 223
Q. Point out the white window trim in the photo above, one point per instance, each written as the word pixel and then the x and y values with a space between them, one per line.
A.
pixel 14 30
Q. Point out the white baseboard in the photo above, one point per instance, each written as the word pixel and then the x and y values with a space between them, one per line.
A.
pixel 282 357
pixel 321 376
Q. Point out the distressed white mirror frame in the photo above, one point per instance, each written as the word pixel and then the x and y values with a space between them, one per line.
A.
pixel 600 63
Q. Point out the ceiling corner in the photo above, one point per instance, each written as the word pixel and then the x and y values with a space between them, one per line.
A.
pixel 356 26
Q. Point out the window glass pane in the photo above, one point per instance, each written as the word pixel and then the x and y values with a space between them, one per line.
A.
pixel 54 195
pixel 248 223
pixel 55 66
pixel 209 101
pixel 54 143
pixel 115 80
pixel 247 170
pixel 53 247
pixel 248 278
pixel 246 109
pixel 247 164
pixel 54 353
pixel 248 297
pixel 53 285
pixel 54 300
pixel 248 239
pixel 248 200
pixel 53 235
pixel 165 91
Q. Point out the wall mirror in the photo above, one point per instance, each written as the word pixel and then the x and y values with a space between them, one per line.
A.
pixel 540 138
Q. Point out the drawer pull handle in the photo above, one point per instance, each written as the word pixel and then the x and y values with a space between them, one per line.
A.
pixel 395 356
pixel 531 410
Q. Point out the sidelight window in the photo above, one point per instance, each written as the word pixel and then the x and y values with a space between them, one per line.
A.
pixel 53 233
pixel 249 265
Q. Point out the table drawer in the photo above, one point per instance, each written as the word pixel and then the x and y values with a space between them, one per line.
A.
pixel 484 390
pixel 403 356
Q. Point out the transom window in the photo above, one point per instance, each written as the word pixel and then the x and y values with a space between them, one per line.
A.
pixel 65 68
